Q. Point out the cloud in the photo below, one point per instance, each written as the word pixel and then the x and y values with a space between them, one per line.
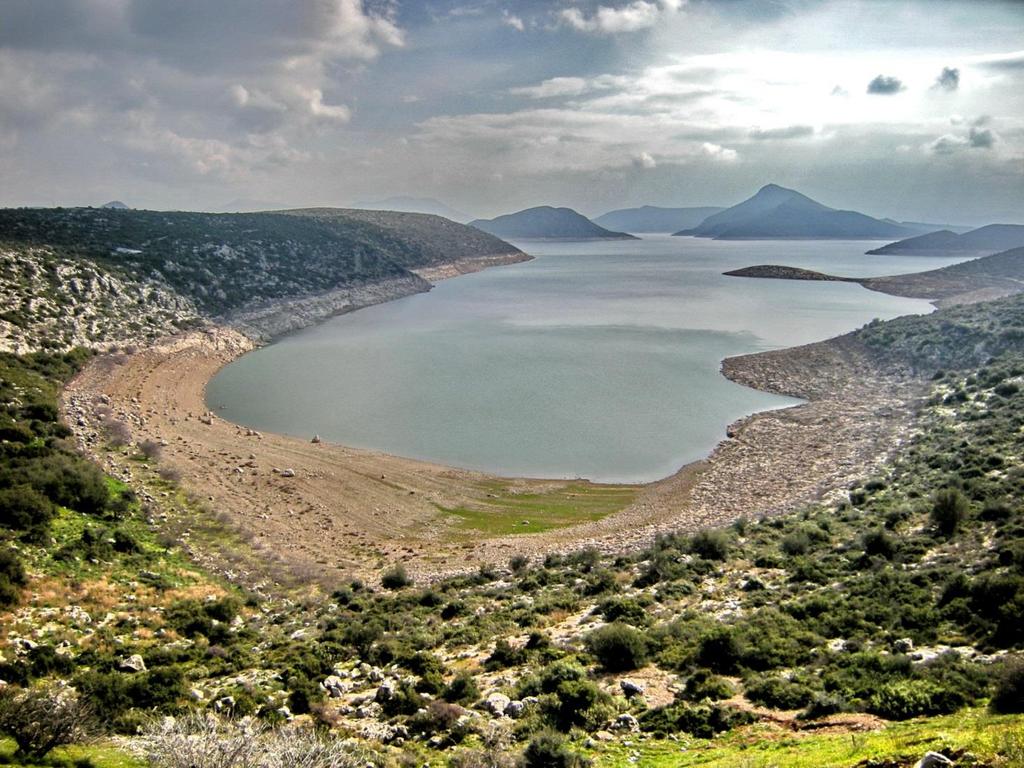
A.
pixel 570 86
pixel 645 161
pixel 977 137
pixel 719 152
pixel 787 132
pixel 885 85
pixel 511 20
pixel 948 79
pixel 606 20
pixel 1004 61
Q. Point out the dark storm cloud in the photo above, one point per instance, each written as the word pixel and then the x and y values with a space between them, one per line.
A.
pixel 787 132
pixel 948 79
pixel 885 85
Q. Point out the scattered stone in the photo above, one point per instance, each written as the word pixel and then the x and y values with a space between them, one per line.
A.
pixel 903 645
pixel 386 692
pixel 289 472
pixel 316 439
pixel 515 709
pixel 334 686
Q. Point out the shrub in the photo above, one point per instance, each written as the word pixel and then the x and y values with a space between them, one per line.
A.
pixel 461 690
pixel 504 655
pixel 903 699
pixel 39 720
pixel 700 720
pixel 23 508
pixel 395 578
pixel 1009 693
pixel 778 693
pixel 720 651
pixel 878 543
pixel 549 750
pixel 823 705
pixel 702 685
pixel 518 563
pixel 618 647
pixel 949 509
pixel 710 545
pixel 12 577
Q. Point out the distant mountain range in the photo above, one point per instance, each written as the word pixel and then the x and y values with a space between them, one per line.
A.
pixel 651 218
pixel 414 205
pixel 547 223
pixel 989 239
pixel 780 213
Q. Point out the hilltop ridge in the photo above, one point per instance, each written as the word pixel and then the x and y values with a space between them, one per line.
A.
pixel 547 223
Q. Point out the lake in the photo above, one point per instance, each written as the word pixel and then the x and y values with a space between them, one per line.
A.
pixel 597 359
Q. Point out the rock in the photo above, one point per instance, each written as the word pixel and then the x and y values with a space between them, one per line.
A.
pixel 631 688
pixel 496 703
pixel 289 472
pixel 386 692
pixel 375 674
pixel 316 439
pixel 134 663
pixel 284 712
pixel 933 760
pixel 626 722
pixel 196 695
pixel 334 686
pixel 515 709
pixel 903 645
pixel 224 703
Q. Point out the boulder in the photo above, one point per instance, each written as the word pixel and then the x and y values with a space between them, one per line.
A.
pixel 134 663
pixel 496 703
pixel 386 692
pixel 933 760
pixel 631 688
pixel 515 709
pixel 334 686
pixel 903 645
pixel 626 722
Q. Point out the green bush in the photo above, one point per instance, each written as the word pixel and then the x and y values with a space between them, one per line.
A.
pixel 701 720
pixel 24 509
pixel 778 692
pixel 949 509
pixel 395 578
pixel 904 699
pixel 618 647
pixel 505 655
pixel 1009 693
pixel 710 545
pixel 550 750
pixel 703 685
pixel 461 690
pixel 12 577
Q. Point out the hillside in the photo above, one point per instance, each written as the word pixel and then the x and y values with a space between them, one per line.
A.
pixel 650 218
pixel 977 242
pixel 547 223
pixel 876 623
pixel 779 213
pixel 413 205
pixel 183 267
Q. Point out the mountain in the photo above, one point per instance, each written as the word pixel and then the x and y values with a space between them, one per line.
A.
pixel 414 205
pixel 779 213
pixel 547 223
pixel 988 239
pixel 650 218
pixel 116 204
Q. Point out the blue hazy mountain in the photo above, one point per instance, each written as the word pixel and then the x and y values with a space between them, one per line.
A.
pixel 651 218
pixel 547 223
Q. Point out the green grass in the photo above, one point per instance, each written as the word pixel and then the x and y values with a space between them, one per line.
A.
pixel 98 755
pixel 995 738
pixel 505 511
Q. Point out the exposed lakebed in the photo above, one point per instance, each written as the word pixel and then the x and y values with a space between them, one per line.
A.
pixel 597 359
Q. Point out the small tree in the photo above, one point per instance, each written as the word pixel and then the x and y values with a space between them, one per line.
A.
pixel 395 578
pixel 618 647
pixel 548 749
pixel 949 509
pixel 1009 695
pixel 40 719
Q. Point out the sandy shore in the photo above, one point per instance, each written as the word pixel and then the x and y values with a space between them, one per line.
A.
pixel 332 512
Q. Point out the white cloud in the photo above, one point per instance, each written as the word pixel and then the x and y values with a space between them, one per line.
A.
pixel 645 160
pixel 555 86
pixel 607 20
pixel 511 20
pixel 719 152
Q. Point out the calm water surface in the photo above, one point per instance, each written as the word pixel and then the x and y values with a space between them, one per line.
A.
pixel 597 360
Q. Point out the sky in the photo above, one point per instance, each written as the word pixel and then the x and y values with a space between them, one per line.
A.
pixel 912 110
